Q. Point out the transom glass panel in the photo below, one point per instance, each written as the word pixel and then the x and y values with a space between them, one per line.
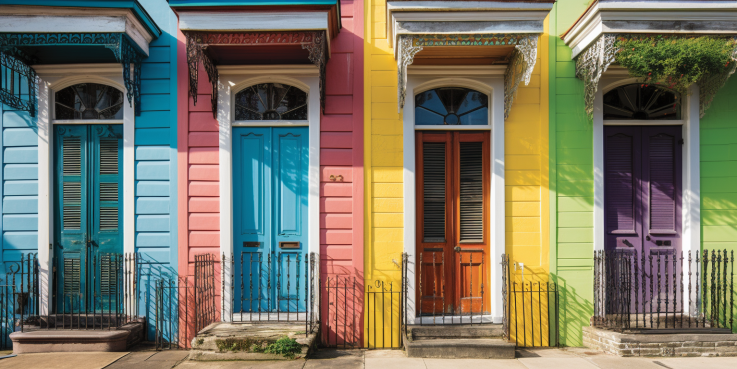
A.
pixel 451 106
pixel 271 101
pixel 89 101
pixel 641 102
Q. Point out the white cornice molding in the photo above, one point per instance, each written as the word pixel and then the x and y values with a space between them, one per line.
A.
pixel 244 21
pixel 675 17
pixel 463 17
pixel 457 70
pixel 278 70
pixel 48 19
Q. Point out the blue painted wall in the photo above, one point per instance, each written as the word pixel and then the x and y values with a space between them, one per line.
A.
pixel 155 166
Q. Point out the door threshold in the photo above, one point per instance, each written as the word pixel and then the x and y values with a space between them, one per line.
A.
pixel 457 319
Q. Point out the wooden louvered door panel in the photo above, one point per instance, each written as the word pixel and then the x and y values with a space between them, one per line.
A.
pixel 453 187
pixel 87 214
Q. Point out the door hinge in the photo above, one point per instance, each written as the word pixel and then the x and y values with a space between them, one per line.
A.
pixel 680 141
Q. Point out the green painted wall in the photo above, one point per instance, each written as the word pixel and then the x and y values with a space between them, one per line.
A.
pixel 571 181
pixel 572 187
pixel 719 173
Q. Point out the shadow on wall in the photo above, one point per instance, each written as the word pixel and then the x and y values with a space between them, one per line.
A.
pixel 575 312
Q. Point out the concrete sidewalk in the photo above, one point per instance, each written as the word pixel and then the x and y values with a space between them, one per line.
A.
pixel 569 358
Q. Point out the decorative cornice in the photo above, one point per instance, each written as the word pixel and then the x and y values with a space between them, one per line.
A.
pixel 123 50
pixel 521 60
pixel 315 42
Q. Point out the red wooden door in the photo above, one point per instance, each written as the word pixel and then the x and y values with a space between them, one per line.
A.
pixel 453 186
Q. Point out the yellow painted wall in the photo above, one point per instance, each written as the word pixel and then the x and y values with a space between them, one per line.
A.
pixel 526 145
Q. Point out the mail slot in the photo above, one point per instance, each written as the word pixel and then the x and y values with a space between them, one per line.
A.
pixel 251 244
pixel 289 244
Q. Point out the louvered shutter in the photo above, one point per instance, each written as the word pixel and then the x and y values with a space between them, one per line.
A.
pixel 433 176
pixel 662 183
pixel 620 182
pixel 471 192
pixel 108 186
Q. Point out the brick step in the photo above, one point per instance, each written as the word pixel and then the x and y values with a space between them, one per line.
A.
pixel 425 332
pixel 478 348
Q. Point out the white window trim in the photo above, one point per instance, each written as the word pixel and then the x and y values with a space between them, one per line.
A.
pixel 492 83
pixel 233 79
pixel 691 166
pixel 54 78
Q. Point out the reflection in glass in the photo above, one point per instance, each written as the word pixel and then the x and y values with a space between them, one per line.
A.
pixel 641 102
pixel 451 106
pixel 271 101
pixel 89 101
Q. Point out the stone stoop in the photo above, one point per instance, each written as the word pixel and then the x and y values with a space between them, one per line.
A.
pixel 458 342
pixel 235 342
pixel 34 340
pixel 681 342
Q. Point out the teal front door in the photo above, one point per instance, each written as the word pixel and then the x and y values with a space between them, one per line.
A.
pixel 88 212
pixel 270 167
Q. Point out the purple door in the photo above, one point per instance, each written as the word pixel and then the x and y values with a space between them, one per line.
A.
pixel 642 214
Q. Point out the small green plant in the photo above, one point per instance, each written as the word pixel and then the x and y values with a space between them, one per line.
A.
pixel 675 62
pixel 284 346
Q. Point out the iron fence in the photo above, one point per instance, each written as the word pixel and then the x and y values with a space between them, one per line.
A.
pixel 341 317
pixel 96 291
pixel 204 291
pixel 273 287
pixel 386 317
pixel 433 303
pixel 531 306
pixel 663 290
pixel 19 298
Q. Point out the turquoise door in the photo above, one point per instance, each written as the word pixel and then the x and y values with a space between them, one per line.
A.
pixel 88 187
pixel 270 167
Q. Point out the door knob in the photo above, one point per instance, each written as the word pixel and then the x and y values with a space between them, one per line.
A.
pixel 457 249
pixel 647 237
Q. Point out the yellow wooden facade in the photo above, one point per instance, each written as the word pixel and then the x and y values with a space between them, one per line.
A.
pixel 526 159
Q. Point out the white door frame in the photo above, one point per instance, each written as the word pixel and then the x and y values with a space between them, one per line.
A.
pixel 233 79
pixel 53 78
pixel 691 174
pixel 489 80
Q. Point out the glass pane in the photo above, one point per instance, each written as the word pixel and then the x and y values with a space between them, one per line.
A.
pixel 451 106
pixel 89 101
pixel 641 102
pixel 271 101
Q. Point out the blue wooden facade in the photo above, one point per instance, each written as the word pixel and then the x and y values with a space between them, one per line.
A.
pixel 152 85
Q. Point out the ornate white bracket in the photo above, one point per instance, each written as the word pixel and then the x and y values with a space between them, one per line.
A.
pixel 521 64
pixel 406 54
pixel 591 64
pixel 708 87
pixel 519 68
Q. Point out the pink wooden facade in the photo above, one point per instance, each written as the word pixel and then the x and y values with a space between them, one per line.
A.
pixel 341 154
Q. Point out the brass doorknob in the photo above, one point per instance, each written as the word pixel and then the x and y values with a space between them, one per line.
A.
pixel 457 249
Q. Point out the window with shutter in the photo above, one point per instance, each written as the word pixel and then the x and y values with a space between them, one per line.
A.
pixel 433 181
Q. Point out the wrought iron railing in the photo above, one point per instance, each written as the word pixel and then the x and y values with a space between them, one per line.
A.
pixel 99 291
pixel 663 290
pixel 387 306
pixel 341 312
pixel 273 287
pixel 433 296
pixel 19 298
pixel 531 310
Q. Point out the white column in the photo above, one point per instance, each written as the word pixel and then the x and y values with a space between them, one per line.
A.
pixel 45 250
pixel 598 148
pixel 226 196
pixel 498 219
pixel 691 193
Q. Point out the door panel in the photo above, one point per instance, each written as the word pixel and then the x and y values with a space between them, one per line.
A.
pixel 88 224
pixel 642 186
pixel 270 183
pixel 453 185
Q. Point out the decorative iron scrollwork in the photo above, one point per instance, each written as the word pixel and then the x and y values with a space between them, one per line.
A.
pixel 315 42
pixel 17 74
pixel 521 62
pixel 591 64
pixel 123 50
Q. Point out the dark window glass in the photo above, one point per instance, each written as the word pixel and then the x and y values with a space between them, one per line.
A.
pixel 451 106
pixel 89 101
pixel 641 102
pixel 271 101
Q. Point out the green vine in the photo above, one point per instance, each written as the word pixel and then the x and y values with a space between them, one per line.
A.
pixel 675 62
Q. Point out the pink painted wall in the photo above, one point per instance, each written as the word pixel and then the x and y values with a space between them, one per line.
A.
pixel 341 153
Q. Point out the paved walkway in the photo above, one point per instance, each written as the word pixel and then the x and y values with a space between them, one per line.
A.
pixel 571 358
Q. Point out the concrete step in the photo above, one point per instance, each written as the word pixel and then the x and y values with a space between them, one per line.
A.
pixel 425 332
pixel 35 340
pixel 479 348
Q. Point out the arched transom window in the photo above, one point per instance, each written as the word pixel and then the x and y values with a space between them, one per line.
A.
pixel 271 101
pixel 641 102
pixel 451 106
pixel 88 101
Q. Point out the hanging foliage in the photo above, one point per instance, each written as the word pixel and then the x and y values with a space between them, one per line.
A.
pixel 675 61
